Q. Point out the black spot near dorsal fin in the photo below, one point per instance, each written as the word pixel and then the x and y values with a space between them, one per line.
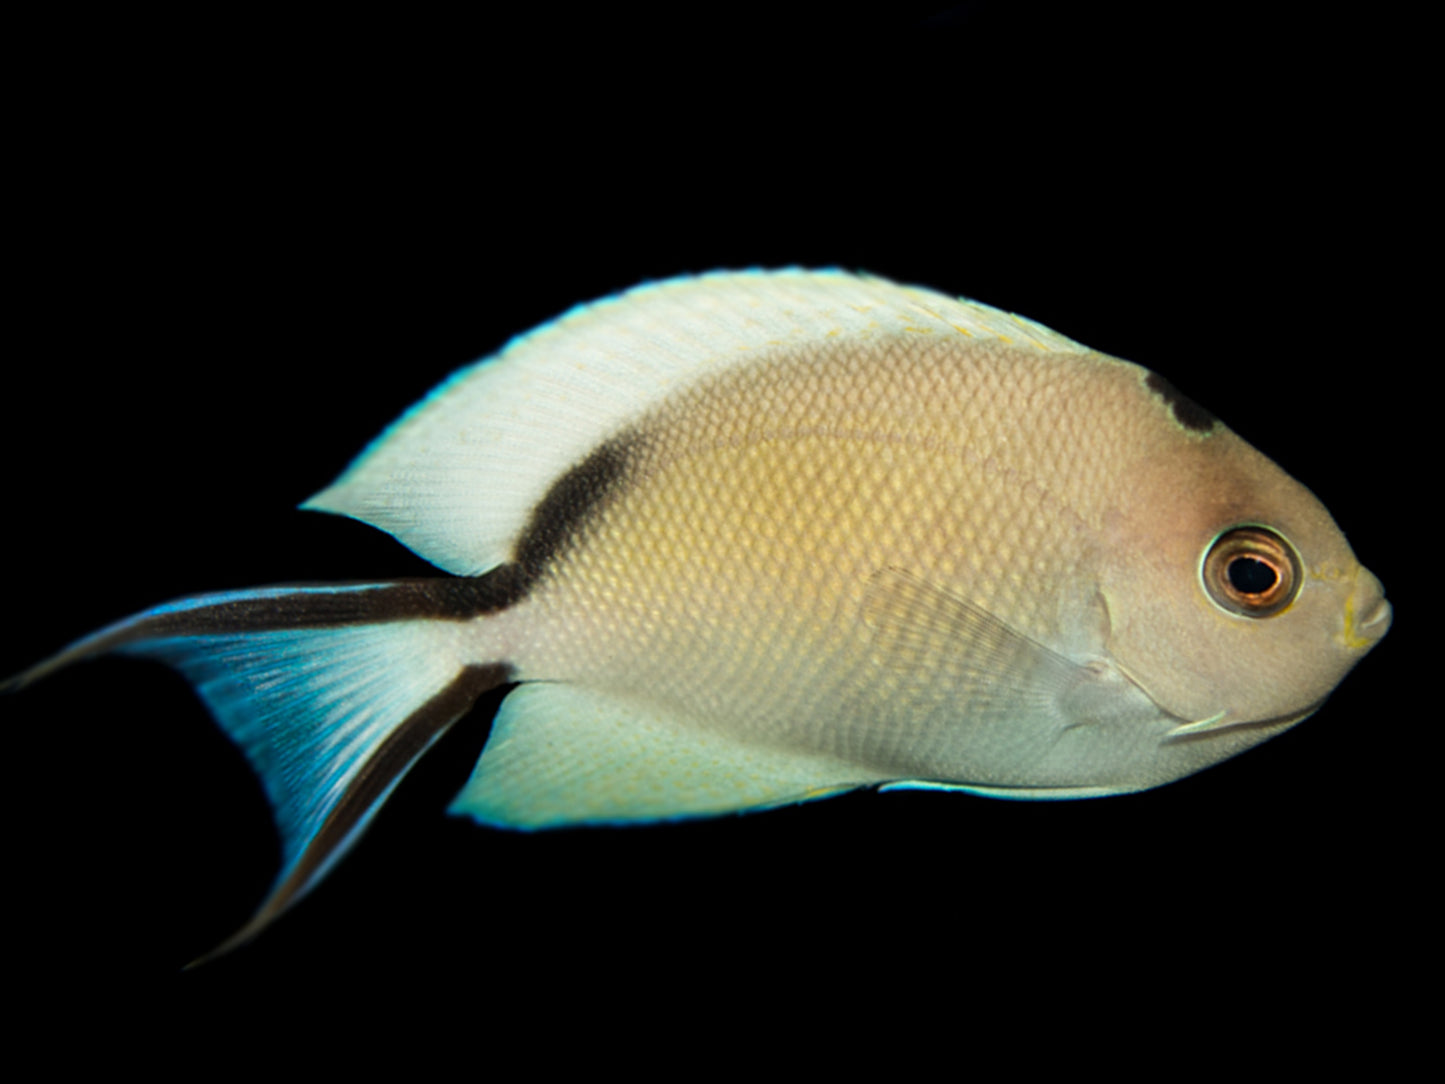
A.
pixel 1187 412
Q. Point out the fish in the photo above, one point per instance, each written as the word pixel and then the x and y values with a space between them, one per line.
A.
pixel 744 540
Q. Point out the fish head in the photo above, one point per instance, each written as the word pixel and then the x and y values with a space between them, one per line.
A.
pixel 1234 599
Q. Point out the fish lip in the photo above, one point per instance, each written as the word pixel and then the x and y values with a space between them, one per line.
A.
pixel 1367 599
pixel 1381 615
pixel 1219 724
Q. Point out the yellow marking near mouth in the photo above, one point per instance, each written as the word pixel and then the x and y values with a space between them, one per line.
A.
pixel 1352 638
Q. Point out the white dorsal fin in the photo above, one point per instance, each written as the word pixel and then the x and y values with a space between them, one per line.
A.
pixel 457 477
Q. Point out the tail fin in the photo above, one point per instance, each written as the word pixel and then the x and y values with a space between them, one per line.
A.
pixel 332 693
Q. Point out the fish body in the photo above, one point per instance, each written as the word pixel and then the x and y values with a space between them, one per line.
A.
pixel 751 539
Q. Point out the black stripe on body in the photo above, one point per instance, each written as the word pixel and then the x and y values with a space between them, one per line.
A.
pixel 572 504
pixel 558 523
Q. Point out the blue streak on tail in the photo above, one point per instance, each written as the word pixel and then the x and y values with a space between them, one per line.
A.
pixel 331 694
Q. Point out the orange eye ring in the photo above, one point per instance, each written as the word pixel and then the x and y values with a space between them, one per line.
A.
pixel 1251 571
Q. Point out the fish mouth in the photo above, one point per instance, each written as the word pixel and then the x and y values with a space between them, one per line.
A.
pixel 1367 612
pixel 1205 728
pixel 1365 632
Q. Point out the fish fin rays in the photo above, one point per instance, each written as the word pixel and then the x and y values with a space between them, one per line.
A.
pixel 562 755
pixel 273 609
pixel 458 476
pixel 942 674
pixel 329 716
pixel 941 644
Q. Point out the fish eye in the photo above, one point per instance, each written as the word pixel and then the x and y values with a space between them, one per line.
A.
pixel 1251 571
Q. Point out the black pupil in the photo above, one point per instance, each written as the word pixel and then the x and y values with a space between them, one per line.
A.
pixel 1249 576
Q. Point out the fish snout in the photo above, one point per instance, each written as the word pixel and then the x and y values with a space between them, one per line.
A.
pixel 1367 613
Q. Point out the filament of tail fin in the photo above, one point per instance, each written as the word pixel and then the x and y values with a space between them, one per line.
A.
pixel 331 694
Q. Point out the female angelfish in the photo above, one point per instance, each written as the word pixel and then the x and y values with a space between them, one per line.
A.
pixel 751 539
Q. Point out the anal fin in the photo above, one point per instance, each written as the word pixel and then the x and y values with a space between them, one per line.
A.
pixel 559 755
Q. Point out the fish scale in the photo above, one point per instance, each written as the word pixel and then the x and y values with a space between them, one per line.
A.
pixel 751 539
pixel 823 537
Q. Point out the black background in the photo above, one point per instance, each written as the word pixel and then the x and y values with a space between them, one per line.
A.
pixel 231 281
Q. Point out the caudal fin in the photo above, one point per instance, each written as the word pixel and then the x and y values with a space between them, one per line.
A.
pixel 332 693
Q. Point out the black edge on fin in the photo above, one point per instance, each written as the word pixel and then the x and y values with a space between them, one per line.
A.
pixel 292 607
pixel 331 692
pixel 386 766
pixel 1186 411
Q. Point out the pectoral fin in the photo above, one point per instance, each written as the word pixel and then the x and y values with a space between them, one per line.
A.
pixel 930 648
pixel 964 701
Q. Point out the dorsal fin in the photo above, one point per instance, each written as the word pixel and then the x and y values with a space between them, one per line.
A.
pixel 456 478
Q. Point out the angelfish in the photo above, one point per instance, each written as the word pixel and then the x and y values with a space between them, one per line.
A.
pixel 751 539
